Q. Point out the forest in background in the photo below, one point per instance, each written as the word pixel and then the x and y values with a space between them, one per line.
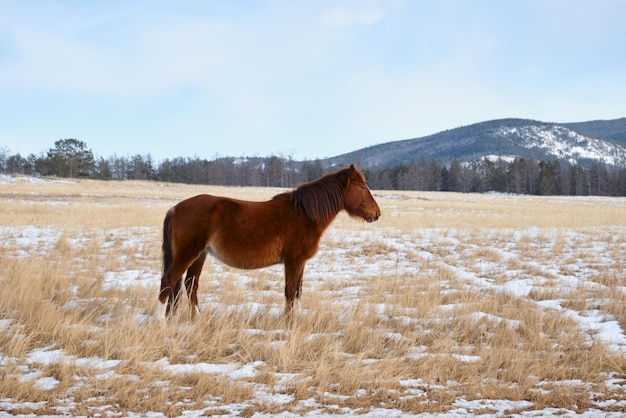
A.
pixel 71 158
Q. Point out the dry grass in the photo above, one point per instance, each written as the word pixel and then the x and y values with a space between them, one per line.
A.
pixel 410 313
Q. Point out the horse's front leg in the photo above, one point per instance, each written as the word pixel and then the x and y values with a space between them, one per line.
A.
pixel 293 284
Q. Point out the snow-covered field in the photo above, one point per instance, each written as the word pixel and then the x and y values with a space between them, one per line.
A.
pixel 454 296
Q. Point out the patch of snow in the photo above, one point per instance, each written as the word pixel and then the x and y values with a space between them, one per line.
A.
pixel 124 279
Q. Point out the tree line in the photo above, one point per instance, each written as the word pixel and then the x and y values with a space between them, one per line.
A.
pixel 71 158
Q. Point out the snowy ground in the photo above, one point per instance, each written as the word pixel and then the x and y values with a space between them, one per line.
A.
pixel 567 272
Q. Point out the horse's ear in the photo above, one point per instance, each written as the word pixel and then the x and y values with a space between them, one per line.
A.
pixel 351 170
pixel 345 175
pixel 351 173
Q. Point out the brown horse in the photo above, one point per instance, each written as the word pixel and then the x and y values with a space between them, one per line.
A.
pixel 251 235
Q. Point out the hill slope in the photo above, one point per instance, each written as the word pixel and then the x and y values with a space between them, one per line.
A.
pixel 578 143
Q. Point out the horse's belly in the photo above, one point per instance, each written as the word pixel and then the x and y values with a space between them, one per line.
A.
pixel 245 256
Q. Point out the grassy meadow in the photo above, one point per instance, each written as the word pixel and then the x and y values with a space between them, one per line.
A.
pixel 478 304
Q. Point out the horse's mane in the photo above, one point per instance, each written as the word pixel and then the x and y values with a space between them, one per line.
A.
pixel 320 200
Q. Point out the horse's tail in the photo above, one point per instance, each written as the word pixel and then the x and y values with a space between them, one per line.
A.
pixel 167 241
pixel 160 311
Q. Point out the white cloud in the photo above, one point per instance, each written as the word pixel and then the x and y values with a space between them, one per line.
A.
pixel 345 17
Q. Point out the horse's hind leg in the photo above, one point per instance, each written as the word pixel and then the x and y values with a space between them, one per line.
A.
pixel 182 245
pixel 191 282
pixel 170 283
pixel 173 299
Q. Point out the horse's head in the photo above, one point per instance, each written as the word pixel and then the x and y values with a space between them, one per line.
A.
pixel 358 200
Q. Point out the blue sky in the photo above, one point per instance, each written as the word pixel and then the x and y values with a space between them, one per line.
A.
pixel 307 79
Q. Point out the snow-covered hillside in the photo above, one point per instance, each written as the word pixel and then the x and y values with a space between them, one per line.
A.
pixel 563 143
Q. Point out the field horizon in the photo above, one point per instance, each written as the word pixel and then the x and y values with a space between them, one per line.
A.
pixel 466 304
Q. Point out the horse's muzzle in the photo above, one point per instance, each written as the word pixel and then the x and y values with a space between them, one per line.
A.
pixel 373 217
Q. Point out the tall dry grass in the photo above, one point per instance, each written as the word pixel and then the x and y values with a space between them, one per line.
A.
pixel 416 335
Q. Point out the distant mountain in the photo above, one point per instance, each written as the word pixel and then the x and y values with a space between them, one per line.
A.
pixel 580 143
pixel 614 130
